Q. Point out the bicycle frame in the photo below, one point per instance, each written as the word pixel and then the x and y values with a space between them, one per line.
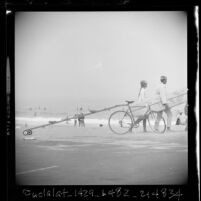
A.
pixel 129 111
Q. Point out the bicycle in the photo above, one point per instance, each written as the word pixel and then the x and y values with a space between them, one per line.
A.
pixel 122 122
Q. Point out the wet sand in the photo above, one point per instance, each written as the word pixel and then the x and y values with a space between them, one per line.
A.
pixel 66 155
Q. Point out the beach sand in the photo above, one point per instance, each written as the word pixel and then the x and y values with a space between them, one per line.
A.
pixel 67 155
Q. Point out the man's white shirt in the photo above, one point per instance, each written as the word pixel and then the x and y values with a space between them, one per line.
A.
pixel 161 92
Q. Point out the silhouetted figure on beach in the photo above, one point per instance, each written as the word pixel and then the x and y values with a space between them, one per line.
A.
pixel 75 122
pixel 67 119
pixel 178 119
pixel 181 119
pixel 81 118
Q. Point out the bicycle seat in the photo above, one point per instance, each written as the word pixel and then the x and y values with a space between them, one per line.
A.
pixel 129 102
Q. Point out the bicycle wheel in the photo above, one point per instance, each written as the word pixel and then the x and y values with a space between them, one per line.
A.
pixel 120 122
pixel 161 128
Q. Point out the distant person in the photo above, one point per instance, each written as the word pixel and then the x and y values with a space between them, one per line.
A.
pixel 67 119
pixel 81 118
pixel 181 119
pixel 178 121
pixel 75 122
pixel 142 99
pixel 161 92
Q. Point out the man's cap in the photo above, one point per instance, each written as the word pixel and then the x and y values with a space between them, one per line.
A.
pixel 163 77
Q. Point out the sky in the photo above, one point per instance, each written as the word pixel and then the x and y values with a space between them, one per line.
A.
pixel 65 60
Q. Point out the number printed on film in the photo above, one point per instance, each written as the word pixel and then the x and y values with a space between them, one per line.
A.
pixel 117 192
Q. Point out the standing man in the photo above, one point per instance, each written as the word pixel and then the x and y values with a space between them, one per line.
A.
pixel 161 92
pixel 75 122
pixel 81 118
pixel 142 99
pixel 67 119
